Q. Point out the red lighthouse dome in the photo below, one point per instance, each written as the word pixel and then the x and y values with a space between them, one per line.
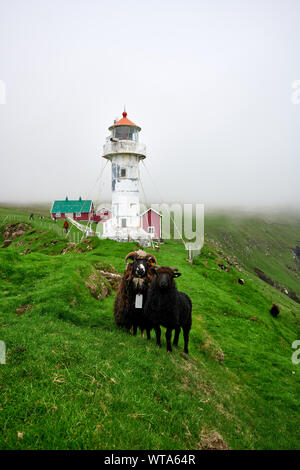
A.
pixel 124 121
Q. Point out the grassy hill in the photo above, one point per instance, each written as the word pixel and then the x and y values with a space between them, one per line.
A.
pixel 73 380
pixel 264 241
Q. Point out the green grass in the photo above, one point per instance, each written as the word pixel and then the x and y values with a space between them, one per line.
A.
pixel 264 241
pixel 74 381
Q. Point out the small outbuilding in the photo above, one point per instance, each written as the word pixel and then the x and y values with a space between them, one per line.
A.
pixel 151 223
pixel 76 209
pixel 102 215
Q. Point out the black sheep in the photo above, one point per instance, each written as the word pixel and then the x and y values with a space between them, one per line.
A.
pixel 275 310
pixel 166 306
pixel 128 306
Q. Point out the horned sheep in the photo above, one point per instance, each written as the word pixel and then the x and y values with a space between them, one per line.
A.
pixel 132 292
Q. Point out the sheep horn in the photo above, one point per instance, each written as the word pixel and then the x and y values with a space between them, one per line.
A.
pixel 131 255
pixel 149 256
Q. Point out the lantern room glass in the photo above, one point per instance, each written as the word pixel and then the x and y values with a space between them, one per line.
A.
pixel 125 133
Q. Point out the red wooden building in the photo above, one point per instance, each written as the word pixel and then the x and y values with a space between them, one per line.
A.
pixel 151 223
pixel 102 215
pixel 76 209
pixel 79 210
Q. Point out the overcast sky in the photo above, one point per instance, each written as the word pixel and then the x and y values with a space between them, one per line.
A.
pixel 209 82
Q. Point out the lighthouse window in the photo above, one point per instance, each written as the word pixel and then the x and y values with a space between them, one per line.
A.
pixel 123 222
pixel 125 133
pixel 134 134
pixel 122 132
pixel 123 172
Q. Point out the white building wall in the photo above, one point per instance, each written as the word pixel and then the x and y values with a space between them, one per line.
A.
pixel 125 191
pixel 125 155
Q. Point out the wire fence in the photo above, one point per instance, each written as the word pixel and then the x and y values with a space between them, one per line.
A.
pixel 73 235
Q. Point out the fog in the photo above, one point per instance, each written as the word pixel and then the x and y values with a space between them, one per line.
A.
pixel 209 82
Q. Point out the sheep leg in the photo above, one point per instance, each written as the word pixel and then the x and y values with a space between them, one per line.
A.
pixel 176 336
pixel 168 338
pixel 158 335
pixel 186 340
pixel 148 334
pixel 134 328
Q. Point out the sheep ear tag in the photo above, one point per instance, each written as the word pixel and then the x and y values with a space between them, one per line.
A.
pixel 139 301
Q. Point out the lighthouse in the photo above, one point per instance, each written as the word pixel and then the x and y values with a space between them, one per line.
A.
pixel 125 152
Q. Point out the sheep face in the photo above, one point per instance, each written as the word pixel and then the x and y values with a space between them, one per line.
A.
pixel 140 267
pixel 165 277
pixel 141 263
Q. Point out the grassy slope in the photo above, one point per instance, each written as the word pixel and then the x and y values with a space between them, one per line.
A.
pixel 262 241
pixel 73 380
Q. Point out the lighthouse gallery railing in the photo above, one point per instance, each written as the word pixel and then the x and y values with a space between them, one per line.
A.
pixel 124 146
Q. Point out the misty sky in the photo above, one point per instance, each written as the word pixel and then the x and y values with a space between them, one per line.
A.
pixel 209 82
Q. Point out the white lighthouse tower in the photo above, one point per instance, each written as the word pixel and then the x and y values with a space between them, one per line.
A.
pixel 125 151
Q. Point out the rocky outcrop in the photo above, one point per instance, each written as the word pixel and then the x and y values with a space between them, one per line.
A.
pixel 101 282
pixel 212 441
pixel 297 253
pixel 276 284
pixel 12 231
pixel 97 286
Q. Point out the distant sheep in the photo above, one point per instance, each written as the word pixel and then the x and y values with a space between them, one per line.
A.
pixel 132 292
pixel 166 306
pixel 274 310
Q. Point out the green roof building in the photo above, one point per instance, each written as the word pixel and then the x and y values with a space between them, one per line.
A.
pixel 77 209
